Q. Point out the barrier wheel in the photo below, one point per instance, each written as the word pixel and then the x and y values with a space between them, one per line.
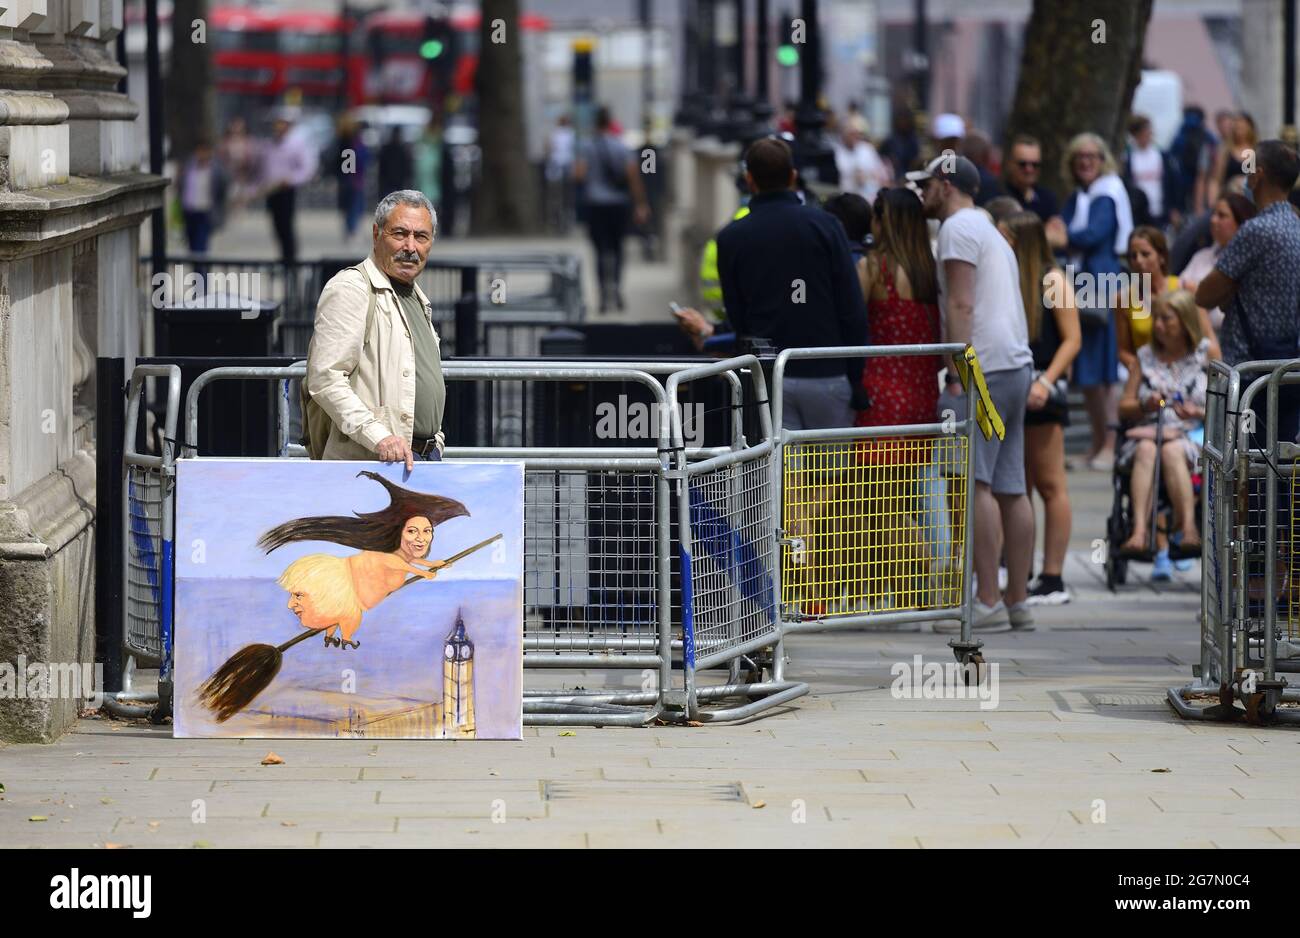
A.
pixel 1259 708
pixel 972 666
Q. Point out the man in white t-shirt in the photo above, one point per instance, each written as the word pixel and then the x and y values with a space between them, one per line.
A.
pixel 979 294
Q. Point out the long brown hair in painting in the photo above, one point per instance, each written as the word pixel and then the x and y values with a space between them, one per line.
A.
pixel 375 530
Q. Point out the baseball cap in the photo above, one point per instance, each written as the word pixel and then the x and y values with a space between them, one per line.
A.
pixel 947 125
pixel 958 170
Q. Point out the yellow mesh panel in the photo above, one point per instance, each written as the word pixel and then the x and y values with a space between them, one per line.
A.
pixel 874 525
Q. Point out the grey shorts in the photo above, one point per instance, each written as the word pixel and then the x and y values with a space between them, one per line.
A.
pixel 1000 464
pixel 817 403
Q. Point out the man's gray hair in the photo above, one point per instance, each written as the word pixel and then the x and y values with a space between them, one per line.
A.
pixel 404 197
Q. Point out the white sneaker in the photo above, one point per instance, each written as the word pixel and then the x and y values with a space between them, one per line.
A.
pixel 1021 617
pixel 987 619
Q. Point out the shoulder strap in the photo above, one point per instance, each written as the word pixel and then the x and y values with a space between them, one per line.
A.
pixel 370 324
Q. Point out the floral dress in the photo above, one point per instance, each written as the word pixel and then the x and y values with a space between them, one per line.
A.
pixel 1184 380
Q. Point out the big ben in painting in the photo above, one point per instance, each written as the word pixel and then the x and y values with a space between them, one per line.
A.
pixel 458 684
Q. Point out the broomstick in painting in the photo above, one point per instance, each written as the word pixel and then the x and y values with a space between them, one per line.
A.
pixel 330 594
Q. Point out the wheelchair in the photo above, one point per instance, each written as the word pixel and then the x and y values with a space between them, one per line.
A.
pixel 1119 524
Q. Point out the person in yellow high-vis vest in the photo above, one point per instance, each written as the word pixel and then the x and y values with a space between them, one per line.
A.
pixel 710 284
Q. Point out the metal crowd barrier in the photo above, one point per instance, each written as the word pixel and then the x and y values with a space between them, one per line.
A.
pixel 1250 583
pixel 148 491
pixel 692 561
pixel 877 523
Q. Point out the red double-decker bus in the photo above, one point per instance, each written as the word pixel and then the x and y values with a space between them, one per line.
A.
pixel 269 56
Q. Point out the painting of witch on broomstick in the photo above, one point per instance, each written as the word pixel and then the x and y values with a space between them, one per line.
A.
pixel 393 687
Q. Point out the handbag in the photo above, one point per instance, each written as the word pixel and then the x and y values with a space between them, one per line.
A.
pixel 1058 399
pixel 1094 317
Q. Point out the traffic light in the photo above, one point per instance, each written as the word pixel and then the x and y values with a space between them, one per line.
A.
pixel 436 38
pixel 787 53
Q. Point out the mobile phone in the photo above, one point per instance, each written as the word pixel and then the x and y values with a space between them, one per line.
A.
pixel 676 309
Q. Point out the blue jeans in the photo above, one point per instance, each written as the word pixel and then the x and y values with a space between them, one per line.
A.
pixel 434 456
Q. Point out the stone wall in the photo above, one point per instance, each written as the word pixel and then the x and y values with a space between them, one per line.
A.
pixel 71 202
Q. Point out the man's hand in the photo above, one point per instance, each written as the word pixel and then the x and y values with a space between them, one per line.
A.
pixel 641 214
pixel 394 449
pixel 693 323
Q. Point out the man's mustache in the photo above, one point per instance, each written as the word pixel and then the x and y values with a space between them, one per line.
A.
pixel 407 256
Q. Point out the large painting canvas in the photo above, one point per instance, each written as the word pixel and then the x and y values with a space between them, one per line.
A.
pixel 345 599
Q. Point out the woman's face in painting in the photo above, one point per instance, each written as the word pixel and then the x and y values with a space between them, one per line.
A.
pixel 417 536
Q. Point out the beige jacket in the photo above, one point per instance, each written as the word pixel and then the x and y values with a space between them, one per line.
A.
pixel 367 390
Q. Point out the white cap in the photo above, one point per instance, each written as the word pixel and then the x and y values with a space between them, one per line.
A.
pixel 947 125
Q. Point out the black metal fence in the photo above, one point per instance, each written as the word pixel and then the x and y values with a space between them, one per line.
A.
pixel 507 301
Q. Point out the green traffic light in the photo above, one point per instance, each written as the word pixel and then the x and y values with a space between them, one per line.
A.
pixel 431 49
pixel 787 56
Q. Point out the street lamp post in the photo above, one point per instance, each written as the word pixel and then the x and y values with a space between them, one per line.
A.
pixel 814 155
pixel 1288 72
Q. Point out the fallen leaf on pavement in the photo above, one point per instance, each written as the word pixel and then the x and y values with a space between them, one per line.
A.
pixel 38 817
pixel 1162 770
pixel 272 759
pixel 154 825
pixel 105 800
pixel 201 845
pixel 109 845
pixel 568 733
pixel 759 804
pixel 288 823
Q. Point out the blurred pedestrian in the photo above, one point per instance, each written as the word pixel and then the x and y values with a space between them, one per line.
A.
pixel 427 154
pixel 396 169
pixel 1230 213
pixel 612 189
pixel 1193 149
pixel 240 155
pixel 947 132
pixel 861 169
pixel 202 195
pixel 352 161
pixel 902 147
pixel 1052 321
pixel 1098 221
pixel 979 293
pixel 561 151
pixel 1021 172
pixel 1152 173
pixel 289 162
pixel 1234 152
pixel 975 147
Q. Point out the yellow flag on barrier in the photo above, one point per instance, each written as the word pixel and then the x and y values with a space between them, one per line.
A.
pixel 986 415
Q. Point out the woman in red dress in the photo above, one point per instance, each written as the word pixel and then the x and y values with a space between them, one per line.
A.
pixel 907 530
pixel 901 287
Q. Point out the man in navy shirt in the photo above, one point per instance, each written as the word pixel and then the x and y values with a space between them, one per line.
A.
pixel 787 275
pixel 1256 281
